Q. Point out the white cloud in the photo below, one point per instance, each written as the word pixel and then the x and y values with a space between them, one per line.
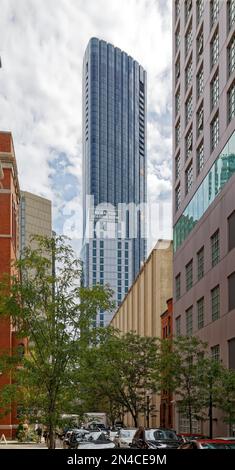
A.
pixel 42 45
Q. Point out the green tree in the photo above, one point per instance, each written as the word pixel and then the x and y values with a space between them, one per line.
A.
pixel 179 371
pixel 47 306
pixel 120 370
pixel 226 397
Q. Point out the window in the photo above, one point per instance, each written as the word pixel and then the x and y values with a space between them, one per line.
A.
pixel 199 44
pixel 215 249
pixel 189 275
pixel 177 9
pixel 177 166
pixel 214 91
pixel 177 70
pixel 188 40
pixel 215 353
pixel 231 231
pixel 231 353
pixel 200 158
pixel 178 287
pixel 188 109
pixel 189 143
pixel 177 197
pixel 177 102
pixel 188 8
pixel 214 11
pixel 215 303
pixel 231 292
pixel 200 82
pixel 189 178
pixel 188 74
pixel 200 9
pixel 200 264
pixel 231 56
pixel 177 134
pixel 177 39
pixel 178 326
pixel 231 13
pixel 200 313
pixel 231 102
pixel 214 49
pixel 200 119
pixel 189 321
pixel 214 132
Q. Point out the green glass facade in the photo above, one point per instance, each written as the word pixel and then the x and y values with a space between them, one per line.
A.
pixel 220 172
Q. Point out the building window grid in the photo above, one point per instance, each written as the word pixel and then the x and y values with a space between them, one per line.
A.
pixel 188 109
pixel 200 10
pixel 231 13
pixel 178 287
pixel 200 264
pixel 214 11
pixel 188 74
pixel 231 102
pixel 200 158
pixel 189 275
pixel 215 303
pixel 189 178
pixel 215 49
pixel 189 321
pixel 215 353
pixel 231 56
pixel 215 248
pixel 214 132
pixel 200 313
pixel 214 91
pixel 200 82
pixel 188 144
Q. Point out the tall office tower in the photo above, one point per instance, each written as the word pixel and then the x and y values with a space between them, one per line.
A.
pixel 9 250
pixel 35 218
pixel 204 181
pixel 114 168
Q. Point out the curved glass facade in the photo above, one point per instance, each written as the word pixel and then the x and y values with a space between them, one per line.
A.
pixel 220 172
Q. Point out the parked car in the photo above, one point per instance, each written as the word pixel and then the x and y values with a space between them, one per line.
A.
pixel 95 440
pixel 155 438
pixel 124 437
pixel 185 437
pixel 208 444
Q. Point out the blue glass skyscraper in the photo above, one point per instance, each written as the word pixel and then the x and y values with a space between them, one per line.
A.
pixel 114 168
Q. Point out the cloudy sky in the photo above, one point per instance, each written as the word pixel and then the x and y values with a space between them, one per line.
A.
pixel 42 43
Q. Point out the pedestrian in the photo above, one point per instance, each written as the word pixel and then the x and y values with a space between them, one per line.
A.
pixel 38 431
pixel 138 440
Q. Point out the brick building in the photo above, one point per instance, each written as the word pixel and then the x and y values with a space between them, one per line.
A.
pixel 9 245
pixel 166 407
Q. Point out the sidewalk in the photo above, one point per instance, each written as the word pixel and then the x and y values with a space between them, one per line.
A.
pixel 14 444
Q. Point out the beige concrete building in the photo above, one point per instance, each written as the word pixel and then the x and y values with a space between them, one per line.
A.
pixel 144 303
pixel 35 217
